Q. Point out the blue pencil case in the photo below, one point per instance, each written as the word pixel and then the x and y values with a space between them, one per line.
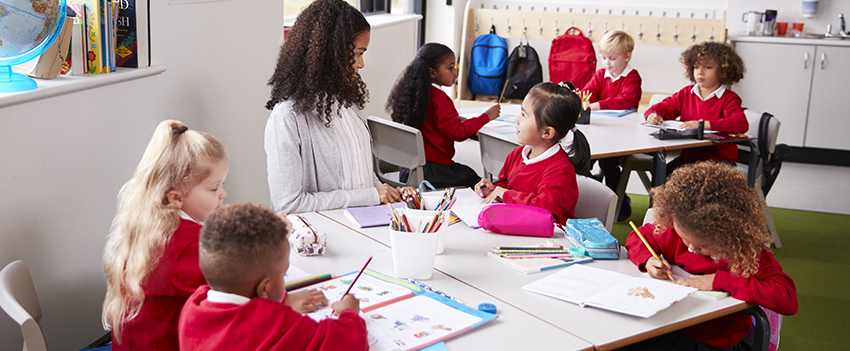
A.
pixel 591 235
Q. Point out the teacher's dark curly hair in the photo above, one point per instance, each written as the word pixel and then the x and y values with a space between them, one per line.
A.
pixel 315 66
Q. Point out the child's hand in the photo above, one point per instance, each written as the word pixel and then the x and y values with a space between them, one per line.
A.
pixel 484 187
pixel 495 195
pixel 703 282
pixel 654 118
pixel 658 268
pixel 388 194
pixel 494 111
pixel 348 301
pixel 305 301
pixel 694 124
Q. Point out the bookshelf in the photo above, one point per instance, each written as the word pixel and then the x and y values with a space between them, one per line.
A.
pixel 48 88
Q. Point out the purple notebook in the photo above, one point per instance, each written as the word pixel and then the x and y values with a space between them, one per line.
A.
pixel 372 216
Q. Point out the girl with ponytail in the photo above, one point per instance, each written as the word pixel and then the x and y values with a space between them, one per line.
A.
pixel 417 101
pixel 539 172
pixel 151 254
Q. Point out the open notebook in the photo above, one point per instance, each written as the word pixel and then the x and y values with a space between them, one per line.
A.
pixel 400 315
pixel 600 288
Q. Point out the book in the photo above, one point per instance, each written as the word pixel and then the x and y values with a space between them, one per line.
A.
pixel 132 45
pixel 674 126
pixel 679 273
pixel 467 206
pixel 50 62
pixel 608 290
pixel 94 53
pixel 371 216
pixel 722 137
pixel 400 315
pixel 534 265
pixel 611 113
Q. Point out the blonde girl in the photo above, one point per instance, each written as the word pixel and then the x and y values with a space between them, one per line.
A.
pixel 151 254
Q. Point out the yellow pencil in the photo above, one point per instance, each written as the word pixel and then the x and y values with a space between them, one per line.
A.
pixel 647 245
pixel 503 90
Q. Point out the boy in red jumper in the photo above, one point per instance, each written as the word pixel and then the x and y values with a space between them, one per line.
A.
pixel 615 87
pixel 539 173
pixel 710 223
pixel 244 254
pixel 712 67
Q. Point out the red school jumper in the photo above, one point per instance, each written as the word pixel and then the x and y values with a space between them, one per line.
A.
pixel 549 184
pixel 443 127
pixel 622 94
pixel 770 287
pixel 172 281
pixel 263 324
pixel 724 113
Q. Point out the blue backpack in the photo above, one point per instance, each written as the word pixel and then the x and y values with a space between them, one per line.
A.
pixel 488 64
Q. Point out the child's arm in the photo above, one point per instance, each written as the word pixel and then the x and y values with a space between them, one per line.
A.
pixel 452 126
pixel 769 287
pixel 305 301
pixel 594 86
pixel 555 192
pixel 733 119
pixel 629 96
pixel 669 108
pixel 638 252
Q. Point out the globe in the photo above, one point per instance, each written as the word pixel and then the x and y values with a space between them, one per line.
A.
pixel 27 28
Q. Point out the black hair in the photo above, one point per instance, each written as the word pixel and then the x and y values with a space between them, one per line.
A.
pixel 411 95
pixel 239 244
pixel 315 66
pixel 559 107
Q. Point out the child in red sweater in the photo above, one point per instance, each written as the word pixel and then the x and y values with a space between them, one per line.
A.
pixel 712 67
pixel 615 87
pixel 539 172
pixel 710 223
pixel 417 101
pixel 244 255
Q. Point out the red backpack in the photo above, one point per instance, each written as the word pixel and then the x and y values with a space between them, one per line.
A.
pixel 572 58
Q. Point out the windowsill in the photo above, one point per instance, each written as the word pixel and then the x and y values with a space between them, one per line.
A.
pixel 48 88
pixel 379 20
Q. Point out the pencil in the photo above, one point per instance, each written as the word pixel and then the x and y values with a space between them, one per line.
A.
pixel 632 223
pixel 496 182
pixel 503 90
pixel 358 276
pixel 307 281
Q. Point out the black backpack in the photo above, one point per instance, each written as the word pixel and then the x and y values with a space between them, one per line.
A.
pixel 524 71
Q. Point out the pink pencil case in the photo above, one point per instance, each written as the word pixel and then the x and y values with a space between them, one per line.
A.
pixel 517 220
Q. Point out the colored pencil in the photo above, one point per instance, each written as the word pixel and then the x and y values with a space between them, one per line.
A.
pixel 496 182
pixel 647 245
pixel 307 281
pixel 538 256
pixel 503 90
pixel 527 248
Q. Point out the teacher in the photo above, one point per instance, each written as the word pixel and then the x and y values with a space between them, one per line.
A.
pixel 318 147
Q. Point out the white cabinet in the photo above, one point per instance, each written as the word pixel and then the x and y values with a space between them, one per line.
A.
pixel 803 86
pixel 829 120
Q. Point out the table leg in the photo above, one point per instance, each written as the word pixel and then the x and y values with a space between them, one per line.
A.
pixel 659 168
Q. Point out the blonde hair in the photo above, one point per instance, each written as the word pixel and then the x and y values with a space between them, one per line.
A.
pixel 175 159
pixel 617 42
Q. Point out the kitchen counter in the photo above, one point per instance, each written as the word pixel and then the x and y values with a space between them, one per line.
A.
pixel 792 40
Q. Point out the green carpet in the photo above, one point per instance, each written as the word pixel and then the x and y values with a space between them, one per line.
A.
pixel 814 254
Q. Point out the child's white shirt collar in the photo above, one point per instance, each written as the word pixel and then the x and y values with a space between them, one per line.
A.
pixel 186 216
pixel 719 92
pixel 546 154
pixel 624 73
pixel 223 297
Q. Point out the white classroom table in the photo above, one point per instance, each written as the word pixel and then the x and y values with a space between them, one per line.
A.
pixel 607 136
pixel 465 258
pixel 514 329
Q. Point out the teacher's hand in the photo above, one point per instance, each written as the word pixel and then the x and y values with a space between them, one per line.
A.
pixel 388 194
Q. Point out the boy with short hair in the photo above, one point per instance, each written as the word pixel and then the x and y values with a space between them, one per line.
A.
pixel 244 254
pixel 615 87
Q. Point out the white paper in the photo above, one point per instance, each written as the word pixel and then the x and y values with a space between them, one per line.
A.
pixel 295 273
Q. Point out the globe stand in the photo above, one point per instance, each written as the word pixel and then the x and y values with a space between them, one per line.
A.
pixel 11 82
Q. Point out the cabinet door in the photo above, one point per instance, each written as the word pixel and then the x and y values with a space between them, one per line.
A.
pixel 829 120
pixel 777 81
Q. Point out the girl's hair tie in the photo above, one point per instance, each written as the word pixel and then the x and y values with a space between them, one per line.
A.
pixel 179 129
pixel 574 129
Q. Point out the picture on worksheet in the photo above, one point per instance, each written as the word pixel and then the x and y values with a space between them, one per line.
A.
pixel 371 291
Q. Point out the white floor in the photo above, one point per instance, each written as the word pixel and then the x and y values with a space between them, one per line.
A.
pixel 799 186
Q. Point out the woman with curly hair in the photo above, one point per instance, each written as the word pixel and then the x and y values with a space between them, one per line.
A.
pixel 712 67
pixel 710 223
pixel 417 101
pixel 318 147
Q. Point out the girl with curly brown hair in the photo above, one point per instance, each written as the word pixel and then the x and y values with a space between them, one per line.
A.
pixel 710 223
pixel 417 101
pixel 318 147
pixel 712 67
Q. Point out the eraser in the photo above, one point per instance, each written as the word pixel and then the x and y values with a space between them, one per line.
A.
pixel 487 307
pixel 577 252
